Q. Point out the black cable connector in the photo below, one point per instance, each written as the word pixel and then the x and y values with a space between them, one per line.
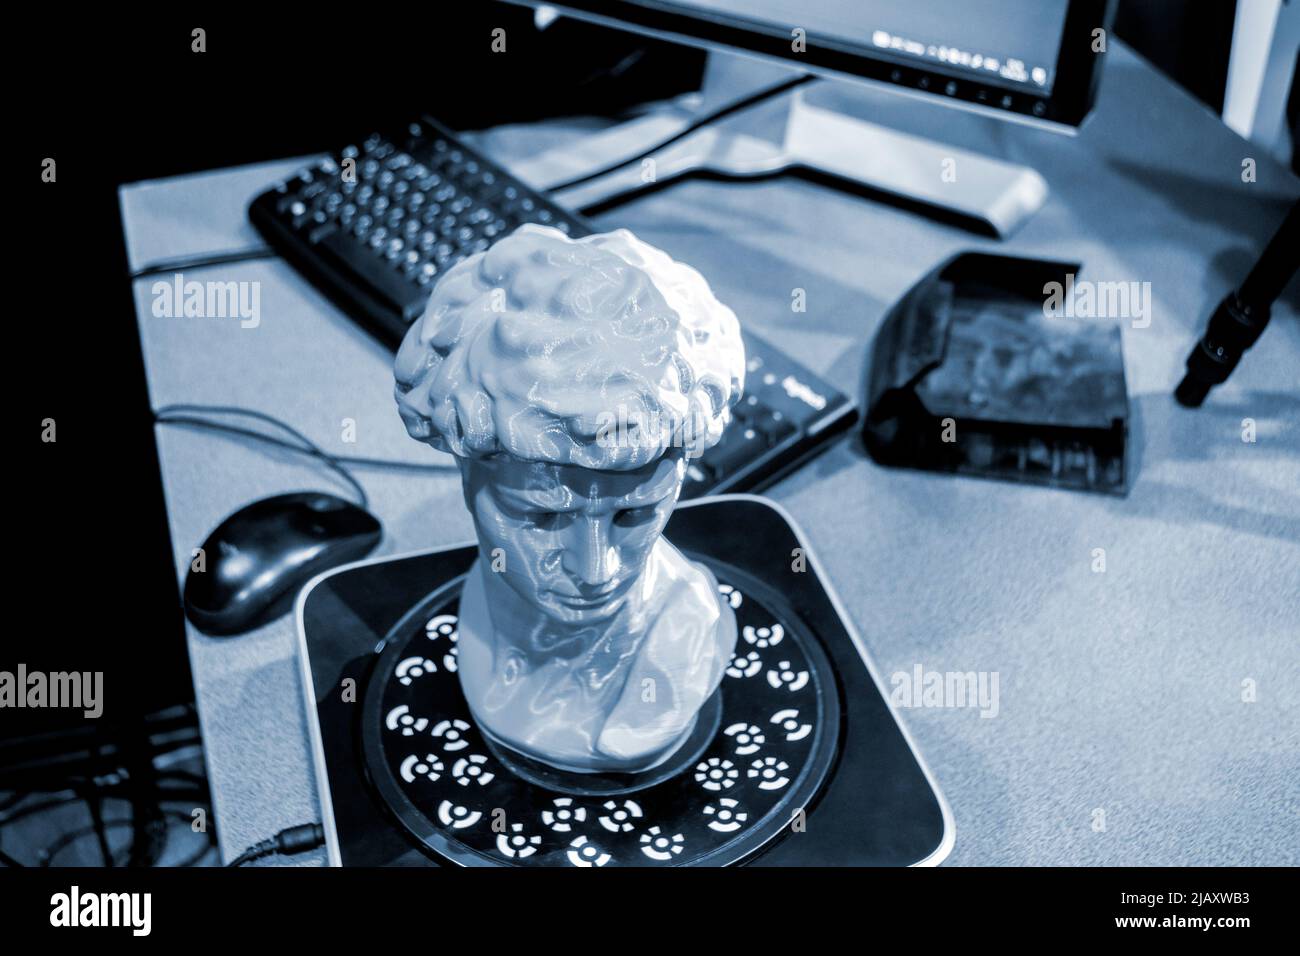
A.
pixel 1242 315
pixel 288 842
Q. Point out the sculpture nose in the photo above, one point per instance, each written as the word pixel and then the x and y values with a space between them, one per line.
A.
pixel 589 558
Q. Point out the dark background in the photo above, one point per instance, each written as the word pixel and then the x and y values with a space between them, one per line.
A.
pixel 128 100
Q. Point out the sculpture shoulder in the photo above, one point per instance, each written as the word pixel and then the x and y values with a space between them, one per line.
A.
pixel 687 645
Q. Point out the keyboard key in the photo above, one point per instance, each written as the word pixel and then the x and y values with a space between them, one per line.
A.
pixel 383 283
pixel 738 448
pixel 317 233
pixel 773 426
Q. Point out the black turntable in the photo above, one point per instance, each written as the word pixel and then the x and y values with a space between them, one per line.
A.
pixel 795 760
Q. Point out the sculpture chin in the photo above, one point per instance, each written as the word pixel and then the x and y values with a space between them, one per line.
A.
pixel 620 692
pixel 574 610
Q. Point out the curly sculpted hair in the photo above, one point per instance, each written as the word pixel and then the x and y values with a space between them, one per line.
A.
pixel 602 352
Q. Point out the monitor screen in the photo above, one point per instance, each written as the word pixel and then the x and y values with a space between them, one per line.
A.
pixel 1036 59
pixel 1011 43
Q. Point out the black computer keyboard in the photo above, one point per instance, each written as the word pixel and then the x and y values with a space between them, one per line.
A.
pixel 421 200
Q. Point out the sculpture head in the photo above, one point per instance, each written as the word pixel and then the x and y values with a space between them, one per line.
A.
pixel 573 381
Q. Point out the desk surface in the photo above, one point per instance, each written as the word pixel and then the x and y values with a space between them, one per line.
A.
pixel 1120 691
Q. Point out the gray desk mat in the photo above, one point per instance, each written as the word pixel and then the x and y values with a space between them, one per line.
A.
pixel 1119 691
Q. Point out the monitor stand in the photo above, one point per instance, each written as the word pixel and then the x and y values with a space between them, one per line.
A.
pixel 979 191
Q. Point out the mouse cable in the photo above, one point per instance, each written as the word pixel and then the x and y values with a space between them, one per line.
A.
pixel 289 841
pixel 694 125
pixel 183 414
pixel 204 261
pixel 393 464
pixel 177 415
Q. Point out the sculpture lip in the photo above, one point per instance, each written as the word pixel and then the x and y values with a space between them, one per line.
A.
pixel 588 599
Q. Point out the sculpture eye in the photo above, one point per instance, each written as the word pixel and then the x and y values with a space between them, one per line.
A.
pixel 543 519
pixel 631 517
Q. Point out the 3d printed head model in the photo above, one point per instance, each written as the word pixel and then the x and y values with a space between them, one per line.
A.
pixel 573 381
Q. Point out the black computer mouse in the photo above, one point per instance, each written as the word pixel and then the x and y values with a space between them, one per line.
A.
pixel 255 562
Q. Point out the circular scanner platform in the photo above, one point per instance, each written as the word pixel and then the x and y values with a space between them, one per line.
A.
pixel 761 749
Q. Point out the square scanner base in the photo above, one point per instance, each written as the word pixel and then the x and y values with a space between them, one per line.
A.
pixel 796 760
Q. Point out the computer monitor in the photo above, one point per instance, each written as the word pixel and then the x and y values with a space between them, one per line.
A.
pixel 1032 59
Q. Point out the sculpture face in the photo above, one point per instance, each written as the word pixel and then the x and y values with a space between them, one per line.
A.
pixel 570 540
